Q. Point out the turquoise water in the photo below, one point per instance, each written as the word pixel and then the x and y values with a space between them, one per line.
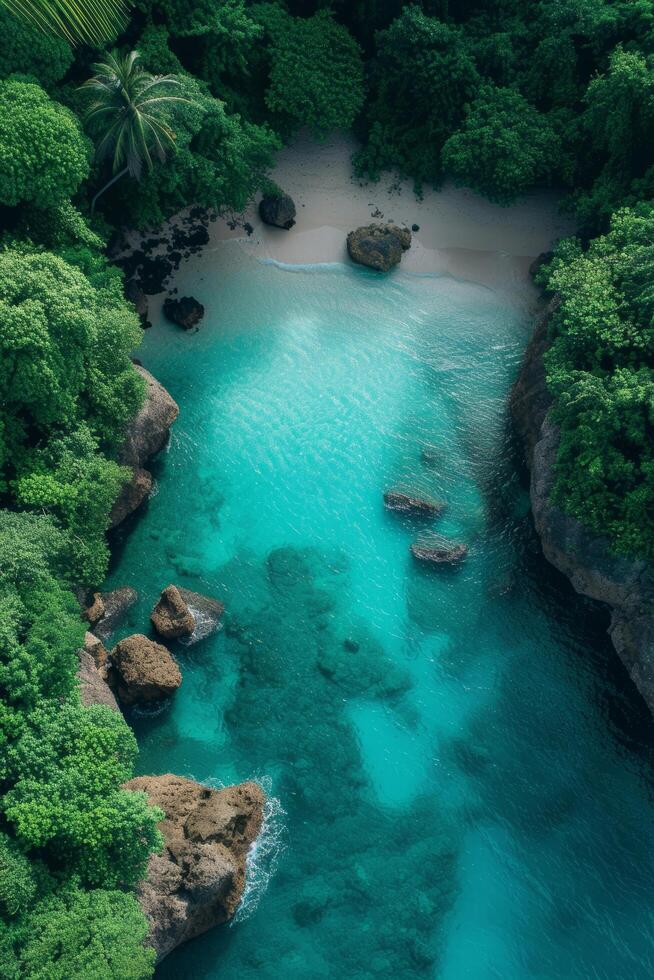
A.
pixel 463 789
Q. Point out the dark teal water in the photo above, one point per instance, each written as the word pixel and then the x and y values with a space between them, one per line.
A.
pixel 468 792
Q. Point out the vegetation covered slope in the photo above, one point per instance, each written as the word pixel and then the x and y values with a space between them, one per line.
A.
pixel 501 96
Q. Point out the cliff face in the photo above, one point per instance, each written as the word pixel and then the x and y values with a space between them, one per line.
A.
pixel 198 879
pixel 626 586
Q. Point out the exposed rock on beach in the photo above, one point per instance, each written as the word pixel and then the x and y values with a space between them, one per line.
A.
pixel 378 246
pixel 185 312
pixel 277 210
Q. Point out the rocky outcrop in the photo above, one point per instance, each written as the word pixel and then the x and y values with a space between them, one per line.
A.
pixel 171 617
pixel 378 246
pixel 186 615
pixel 92 673
pixel 186 312
pixel 143 671
pixel 277 210
pixel 134 493
pixel 135 295
pixel 436 550
pixel 624 585
pixel 147 433
pixel 198 879
pixel 407 503
pixel 108 610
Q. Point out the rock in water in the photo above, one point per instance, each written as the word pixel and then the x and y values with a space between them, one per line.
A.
pixel 408 504
pixel 134 493
pixel 436 550
pixel 185 312
pixel 143 670
pixel 198 880
pixel 207 613
pixel 147 433
pixel 171 617
pixel 378 246
pixel 109 609
pixel 277 210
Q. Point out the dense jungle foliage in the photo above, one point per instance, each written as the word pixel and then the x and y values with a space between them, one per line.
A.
pixel 499 95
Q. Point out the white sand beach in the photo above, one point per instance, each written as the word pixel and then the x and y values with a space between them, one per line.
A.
pixel 460 233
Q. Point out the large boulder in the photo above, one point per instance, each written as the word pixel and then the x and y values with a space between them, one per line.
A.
pixel 171 617
pixel 198 879
pixel 108 610
pixel 147 433
pixel 186 312
pixel 277 210
pixel 378 246
pixel 134 493
pixel 143 671
pixel 186 615
pixel 625 585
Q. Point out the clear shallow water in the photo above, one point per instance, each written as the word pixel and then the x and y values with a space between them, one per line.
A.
pixel 466 794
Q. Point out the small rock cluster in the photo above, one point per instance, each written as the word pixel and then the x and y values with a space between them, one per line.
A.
pixel 429 548
pixel 139 670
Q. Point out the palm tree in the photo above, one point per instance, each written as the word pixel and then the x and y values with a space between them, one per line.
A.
pixel 86 21
pixel 127 116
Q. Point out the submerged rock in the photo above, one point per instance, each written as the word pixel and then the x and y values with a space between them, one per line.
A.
pixel 432 456
pixel 143 670
pixel 410 504
pixel 198 879
pixel 378 246
pixel 185 312
pixel 171 617
pixel 109 609
pixel 277 210
pixel 134 493
pixel 436 550
pixel 148 432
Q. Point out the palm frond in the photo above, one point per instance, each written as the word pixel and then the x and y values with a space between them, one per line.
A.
pixel 77 21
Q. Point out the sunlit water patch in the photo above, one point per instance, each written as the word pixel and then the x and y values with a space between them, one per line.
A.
pixel 459 758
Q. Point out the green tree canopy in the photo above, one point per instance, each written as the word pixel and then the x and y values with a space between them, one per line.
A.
pixel 44 155
pixel 66 771
pixel 315 73
pixel 600 369
pixel 422 78
pixel 504 147
pixel 28 51
pixel 65 346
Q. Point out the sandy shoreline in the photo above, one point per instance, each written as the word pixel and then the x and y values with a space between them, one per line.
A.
pixel 460 233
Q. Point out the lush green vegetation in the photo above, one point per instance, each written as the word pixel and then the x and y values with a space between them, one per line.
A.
pixel 503 97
